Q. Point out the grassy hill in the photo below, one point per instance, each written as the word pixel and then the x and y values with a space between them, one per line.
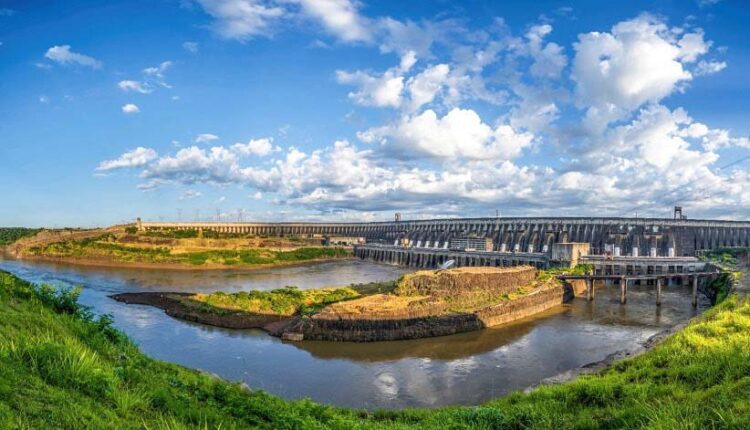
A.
pixel 61 367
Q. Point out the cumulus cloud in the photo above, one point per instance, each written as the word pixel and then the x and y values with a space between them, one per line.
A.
pixel 206 137
pixel 62 54
pixel 426 85
pixel 129 108
pixel 340 17
pixel 639 61
pixel 460 133
pixel 549 59
pixel 259 147
pixel 135 158
pixel 381 91
pixel 437 156
pixel 709 67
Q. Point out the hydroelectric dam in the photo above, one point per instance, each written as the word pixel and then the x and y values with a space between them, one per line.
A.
pixel 635 237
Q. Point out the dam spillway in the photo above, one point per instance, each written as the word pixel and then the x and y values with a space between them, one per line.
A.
pixel 626 236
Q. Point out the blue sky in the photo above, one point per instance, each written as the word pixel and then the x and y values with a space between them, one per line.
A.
pixel 353 110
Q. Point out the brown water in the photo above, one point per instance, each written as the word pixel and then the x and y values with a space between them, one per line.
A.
pixel 468 368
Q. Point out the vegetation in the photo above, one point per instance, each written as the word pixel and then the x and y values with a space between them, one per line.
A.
pixel 287 301
pixel 103 248
pixel 283 301
pixel 9 235
pixel 61 367
pixel 727 258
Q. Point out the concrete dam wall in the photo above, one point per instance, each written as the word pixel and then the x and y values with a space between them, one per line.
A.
pixel 631 236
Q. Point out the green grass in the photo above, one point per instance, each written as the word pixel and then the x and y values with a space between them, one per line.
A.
pixel 9 235
pixel 60 367
pixel 289 300
pixel 283 301
pixel 102 248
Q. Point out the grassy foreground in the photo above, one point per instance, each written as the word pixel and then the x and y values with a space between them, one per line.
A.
pixel 60 367
pixel 100 249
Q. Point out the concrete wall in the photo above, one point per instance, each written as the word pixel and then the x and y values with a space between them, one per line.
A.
pixel 664 236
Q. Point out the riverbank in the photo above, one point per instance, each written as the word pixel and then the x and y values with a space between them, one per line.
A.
pixel 120 248
pixel 179 266
pixel 62 368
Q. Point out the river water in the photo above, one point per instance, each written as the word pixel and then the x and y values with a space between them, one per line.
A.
pixel 468 368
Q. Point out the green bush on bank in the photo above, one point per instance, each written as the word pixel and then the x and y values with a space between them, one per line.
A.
pixel 61 367
pixel 9 235
pixel 103 248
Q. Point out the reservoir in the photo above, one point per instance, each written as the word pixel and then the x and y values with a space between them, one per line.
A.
pixel 466 369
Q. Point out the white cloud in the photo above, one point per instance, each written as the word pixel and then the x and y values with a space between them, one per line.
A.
pixel 128 85
pixel 692 46
pixel 190 194
pixel 242 19
pixel 43 99
pixel 191 47
pixel 135 158
pixel 425 86
pixel 130 108
pixel 206 137
pixel 460 133
pixel 638 62
pixel 380 91
pixel 257 195
pixel 153 77
pixel 339 17
pixel 156 73
pixel 63 55
pixel 709 67
pixel 259 147
pixel 549 59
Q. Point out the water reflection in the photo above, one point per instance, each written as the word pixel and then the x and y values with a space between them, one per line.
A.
pixel 467 368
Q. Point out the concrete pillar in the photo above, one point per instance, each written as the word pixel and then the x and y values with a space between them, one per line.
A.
pixel 659 281
pixel 624 291
pixel 590 289
pixel 695 291
pixel 635 251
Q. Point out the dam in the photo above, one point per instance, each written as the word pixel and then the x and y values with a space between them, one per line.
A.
pixel 636 237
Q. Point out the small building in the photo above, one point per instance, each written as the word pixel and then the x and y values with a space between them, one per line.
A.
pixel 343 240
pixel 568 253
pixel 471 244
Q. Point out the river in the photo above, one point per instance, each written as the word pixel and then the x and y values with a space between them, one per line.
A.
pixel 468 368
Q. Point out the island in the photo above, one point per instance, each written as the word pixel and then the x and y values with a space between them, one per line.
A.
pixel 421 304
